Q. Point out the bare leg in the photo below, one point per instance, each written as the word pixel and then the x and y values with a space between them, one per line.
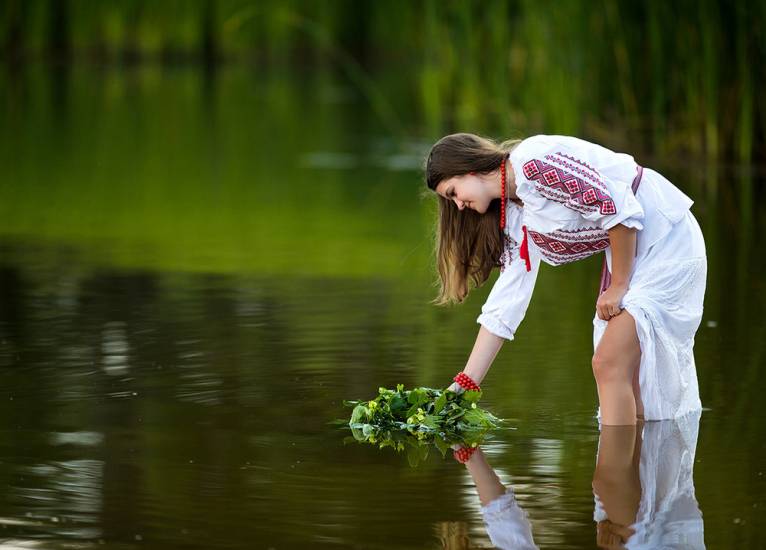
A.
pixel 614 366
pixel 637 393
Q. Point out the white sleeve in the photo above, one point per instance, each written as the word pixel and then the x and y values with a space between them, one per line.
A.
pixel 507 303
pixel 507 523
pixel 563 178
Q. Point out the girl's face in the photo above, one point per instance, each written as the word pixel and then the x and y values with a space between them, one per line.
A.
pixel 472 191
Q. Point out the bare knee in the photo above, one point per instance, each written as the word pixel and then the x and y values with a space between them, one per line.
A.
pixel 606 369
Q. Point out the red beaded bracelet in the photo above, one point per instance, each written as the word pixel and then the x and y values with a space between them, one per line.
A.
pixel 463 454
pixel 465 382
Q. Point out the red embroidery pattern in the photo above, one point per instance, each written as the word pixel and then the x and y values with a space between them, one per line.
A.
pixel 593 175
pixel 578 161
pixel 561 247
pixel 562 185
pixel 508 245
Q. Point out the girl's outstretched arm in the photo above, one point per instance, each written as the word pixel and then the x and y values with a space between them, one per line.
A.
pixel 484 352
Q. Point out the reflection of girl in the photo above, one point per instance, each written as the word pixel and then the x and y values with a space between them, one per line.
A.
pixel 617 483
pixel 507 524
pixel 562 199
pixel 643 487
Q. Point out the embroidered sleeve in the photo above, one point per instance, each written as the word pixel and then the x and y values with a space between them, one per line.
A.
pixel 507 303
pixel 566 177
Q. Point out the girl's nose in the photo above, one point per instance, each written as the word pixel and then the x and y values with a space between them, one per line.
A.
pixel 460 204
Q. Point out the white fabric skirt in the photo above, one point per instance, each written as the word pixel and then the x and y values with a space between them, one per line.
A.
pixel 665 298
pixel 668 515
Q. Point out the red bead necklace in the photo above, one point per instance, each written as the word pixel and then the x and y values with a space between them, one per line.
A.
pixel 502 194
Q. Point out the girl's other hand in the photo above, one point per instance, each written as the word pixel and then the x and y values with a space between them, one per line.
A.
pixel 608 304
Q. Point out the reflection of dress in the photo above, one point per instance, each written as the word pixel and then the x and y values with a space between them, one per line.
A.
pixel 507 524
pixel 573 193
pixel 668 515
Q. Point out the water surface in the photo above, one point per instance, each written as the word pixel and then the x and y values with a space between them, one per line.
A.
pixel 194 276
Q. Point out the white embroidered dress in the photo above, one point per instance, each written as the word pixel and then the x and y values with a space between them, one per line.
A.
pixel 573 192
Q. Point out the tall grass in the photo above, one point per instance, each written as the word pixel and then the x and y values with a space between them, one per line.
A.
pixel 677 77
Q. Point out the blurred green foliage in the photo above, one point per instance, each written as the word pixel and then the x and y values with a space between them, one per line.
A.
pixel 663 76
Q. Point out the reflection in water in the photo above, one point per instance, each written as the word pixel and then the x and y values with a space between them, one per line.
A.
pixel 177 322
pixel 506 522
pixel 643 489
pixel 61 498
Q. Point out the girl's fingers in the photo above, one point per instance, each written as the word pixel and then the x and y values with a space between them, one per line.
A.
pixel 606 312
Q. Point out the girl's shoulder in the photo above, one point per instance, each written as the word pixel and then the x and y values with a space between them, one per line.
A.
pixel 539 144
pixel 531 145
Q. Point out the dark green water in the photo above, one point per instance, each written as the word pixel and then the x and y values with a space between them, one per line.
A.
pixel 194 273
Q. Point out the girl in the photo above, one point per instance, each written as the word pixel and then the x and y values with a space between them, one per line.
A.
pixel 562 199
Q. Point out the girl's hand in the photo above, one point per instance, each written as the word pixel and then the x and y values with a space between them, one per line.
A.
pixel 457 388
pixel 608 304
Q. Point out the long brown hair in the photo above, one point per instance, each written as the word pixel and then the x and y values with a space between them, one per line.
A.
pixel 468 244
